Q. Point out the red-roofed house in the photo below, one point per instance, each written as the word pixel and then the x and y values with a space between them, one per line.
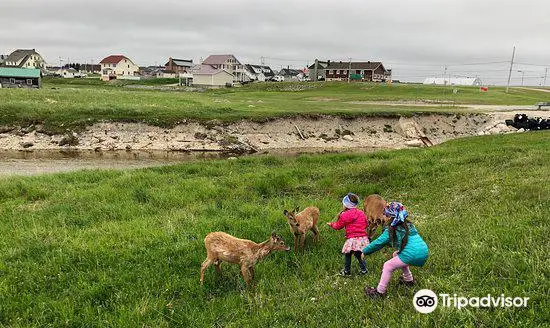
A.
pixel 228 63
pixel 118 67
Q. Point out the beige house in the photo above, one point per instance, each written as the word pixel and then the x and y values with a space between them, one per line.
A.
pixel 206 75
pixel 118 67
pixel 229 63
pixel 24 58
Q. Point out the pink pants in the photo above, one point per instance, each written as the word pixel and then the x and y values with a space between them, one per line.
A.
pixel 389 267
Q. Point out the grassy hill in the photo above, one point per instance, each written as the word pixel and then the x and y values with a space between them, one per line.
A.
pixel 123 248
pixel 72 104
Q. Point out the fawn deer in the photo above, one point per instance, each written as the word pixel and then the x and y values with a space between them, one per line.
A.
pixel 374 209
pixel 301 223
pixel 221 246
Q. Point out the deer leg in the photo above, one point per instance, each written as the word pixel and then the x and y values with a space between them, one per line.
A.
pixel 251 269
pixel 205 266
pixel 217 265
pixel 302 241
pixel 295 243
pixel 315 231
pixel 245 271
pixel 372 228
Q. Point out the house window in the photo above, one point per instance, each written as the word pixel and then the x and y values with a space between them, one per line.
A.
pixel 29 81
pixel 358 71
pixel 128 66
pixel 12 80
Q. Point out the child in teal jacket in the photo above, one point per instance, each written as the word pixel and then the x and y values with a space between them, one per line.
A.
pixel 411 248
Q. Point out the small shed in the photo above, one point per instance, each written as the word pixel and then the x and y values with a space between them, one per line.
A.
pixel 467 81
pixel 14 77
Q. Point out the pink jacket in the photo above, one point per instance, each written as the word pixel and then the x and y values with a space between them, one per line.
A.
pixel 355 222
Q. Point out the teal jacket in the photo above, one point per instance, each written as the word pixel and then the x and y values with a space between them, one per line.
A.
pixel 415 252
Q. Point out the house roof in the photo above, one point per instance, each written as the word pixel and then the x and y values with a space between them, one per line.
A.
pixel 20 54
pixel 113 59
pixel 354 65
pixel 322 64
pixel 205 70
pixel 257 69
pixel 290 71
pixel 181 62
pixel 218 59
pixel 19 72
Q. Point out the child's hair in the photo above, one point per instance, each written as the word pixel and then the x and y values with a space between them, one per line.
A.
pixel 393 237
pixel 354 198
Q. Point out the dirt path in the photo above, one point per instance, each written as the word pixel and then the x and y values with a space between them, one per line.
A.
pixel 535 89
pixel 483 108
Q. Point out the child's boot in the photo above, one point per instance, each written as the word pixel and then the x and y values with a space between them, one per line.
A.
pixel 408 283
pixel 362 267
pixel 372 292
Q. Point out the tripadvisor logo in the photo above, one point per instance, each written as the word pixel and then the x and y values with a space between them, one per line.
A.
pixel 425 301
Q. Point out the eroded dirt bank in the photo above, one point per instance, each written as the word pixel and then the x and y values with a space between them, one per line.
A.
pixel 322 133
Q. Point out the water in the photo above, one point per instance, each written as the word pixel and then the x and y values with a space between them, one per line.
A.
pixel 53 161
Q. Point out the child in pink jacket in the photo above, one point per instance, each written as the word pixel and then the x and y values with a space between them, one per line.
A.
pixel 355 222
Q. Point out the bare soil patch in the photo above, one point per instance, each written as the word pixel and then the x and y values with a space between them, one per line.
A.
pixel 312 133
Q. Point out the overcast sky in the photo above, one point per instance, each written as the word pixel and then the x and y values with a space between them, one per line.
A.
pixel 416 38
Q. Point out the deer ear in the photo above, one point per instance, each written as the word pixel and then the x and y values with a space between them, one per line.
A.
pixel 285 212
pixel 297 209
pixel 273 234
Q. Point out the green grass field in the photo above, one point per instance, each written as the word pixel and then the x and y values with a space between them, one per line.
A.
pixel 123 248
pixel 72 104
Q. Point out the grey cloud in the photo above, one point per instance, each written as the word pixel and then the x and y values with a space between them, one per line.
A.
pixel 400 32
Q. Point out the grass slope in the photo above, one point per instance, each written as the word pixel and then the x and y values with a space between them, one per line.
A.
pixel 72 104
pixel 123 249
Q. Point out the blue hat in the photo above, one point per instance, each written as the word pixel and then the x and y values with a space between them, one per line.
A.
pixel 348 203
pixel 397 212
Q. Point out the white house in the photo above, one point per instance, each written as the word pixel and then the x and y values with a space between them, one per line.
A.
pixel 466 81
pixel 259 73
pixel 118 67
pixel 24 58
pixel 206 75
pixel 69 73
pixel 229 63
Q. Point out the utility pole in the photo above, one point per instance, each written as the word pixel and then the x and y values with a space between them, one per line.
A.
pixel 349 71
pixel 522 74
pixel 511 65
pixel 262 60
pixel 545 75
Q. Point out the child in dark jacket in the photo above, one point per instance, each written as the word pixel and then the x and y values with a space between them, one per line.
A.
pixel 411 248
pixel 355 222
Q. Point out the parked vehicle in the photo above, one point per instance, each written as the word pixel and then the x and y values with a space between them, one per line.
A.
pixel 278 78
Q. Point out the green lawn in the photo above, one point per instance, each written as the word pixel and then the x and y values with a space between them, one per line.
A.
pixel 72 104
pixel 123 248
